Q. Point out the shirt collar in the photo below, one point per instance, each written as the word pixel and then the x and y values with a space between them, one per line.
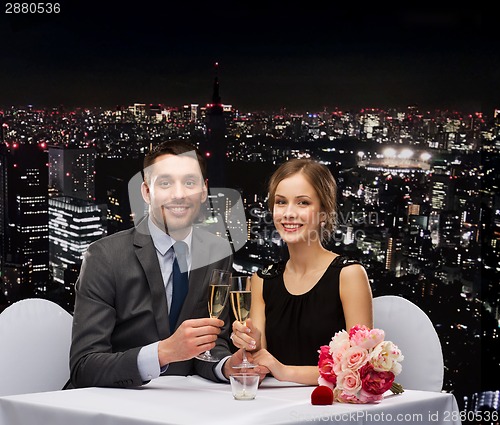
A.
pixel 163 241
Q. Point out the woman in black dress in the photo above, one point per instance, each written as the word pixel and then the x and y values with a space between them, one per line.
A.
pixel 298 305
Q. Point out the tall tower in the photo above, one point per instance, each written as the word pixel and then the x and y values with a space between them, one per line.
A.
pixel 72 172
pixel 73 225
pixel 442 192
pixel 4 155
pixel 5 256
pixel 28 216
pixel 215 145
pixel 3 207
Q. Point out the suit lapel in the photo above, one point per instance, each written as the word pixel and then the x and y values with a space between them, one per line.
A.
pixel 146 254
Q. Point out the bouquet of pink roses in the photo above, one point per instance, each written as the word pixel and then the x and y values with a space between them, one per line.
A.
pixel 359 366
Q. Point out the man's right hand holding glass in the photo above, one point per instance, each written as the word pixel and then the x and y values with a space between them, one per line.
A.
pixel 192 337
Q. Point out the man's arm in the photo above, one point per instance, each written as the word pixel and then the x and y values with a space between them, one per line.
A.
pixel 92 360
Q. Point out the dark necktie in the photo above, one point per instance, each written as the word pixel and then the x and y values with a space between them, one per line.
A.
pixel 180 282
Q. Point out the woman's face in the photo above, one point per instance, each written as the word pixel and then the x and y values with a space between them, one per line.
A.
pixel 297 210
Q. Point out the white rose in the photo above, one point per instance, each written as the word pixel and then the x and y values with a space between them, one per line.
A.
pixel 340 342
pixel 386 357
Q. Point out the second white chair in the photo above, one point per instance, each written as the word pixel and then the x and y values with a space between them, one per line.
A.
pixel 35 338
pixel 409 327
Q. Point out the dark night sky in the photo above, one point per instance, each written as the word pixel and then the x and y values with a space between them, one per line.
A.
pixel 270 56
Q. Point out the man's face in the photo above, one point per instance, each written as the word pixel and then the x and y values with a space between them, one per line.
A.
pixel 174 189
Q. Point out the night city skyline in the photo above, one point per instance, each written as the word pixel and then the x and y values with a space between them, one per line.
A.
pixel 403 107
pixel 417 191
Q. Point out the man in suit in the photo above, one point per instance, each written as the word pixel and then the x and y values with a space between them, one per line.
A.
pixel 124 294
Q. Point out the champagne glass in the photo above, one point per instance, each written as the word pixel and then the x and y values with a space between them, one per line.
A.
pixel 218 292
pixel 241 297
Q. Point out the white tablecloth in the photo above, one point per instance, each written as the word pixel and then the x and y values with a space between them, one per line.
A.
pixel 193 400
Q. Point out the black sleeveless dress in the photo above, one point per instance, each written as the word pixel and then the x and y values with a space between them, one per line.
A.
pixel 298 325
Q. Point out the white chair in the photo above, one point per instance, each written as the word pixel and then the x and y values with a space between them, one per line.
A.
pixel 407 326
pixel 35 337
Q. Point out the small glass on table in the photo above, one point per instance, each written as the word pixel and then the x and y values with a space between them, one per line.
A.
pixel 241 298
pixel 218 292
pixel 244 385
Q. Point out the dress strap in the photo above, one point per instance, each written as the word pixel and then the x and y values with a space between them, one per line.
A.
pixel 343 261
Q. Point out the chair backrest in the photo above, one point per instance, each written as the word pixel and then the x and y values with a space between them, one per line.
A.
pixel 35 337
pixel 407 326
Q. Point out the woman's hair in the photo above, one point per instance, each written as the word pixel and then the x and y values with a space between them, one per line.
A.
pixel 323 182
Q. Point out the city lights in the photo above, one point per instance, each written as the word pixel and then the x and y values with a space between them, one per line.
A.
pixel 413 198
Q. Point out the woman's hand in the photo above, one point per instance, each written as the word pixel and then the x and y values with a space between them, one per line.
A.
pixel 246 336
pixel 265 359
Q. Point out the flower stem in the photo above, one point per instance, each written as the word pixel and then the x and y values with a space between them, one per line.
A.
pixel 397 388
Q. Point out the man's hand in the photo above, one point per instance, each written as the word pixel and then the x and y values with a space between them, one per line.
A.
pixel 237 358
pixel 192 337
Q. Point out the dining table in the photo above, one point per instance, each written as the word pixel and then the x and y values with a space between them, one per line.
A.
pixel 170 400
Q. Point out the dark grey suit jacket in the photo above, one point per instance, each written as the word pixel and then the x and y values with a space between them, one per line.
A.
pixel 121 306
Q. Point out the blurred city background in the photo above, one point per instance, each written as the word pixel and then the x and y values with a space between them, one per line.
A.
pixel 418 202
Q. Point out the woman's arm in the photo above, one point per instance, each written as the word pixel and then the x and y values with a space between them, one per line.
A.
pixel 257 312
pixel 307 375
pixel 356 296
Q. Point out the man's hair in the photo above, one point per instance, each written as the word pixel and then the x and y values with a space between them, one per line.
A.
pixel 173 147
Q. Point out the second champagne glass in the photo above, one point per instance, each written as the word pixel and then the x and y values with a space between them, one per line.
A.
pixel 241 297
pixel 218 291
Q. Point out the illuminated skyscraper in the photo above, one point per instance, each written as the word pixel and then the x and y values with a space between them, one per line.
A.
pixel 190 112
pixel 28 223
pixel 74 224
pixel 72 172
pixel 442 192
pixel 3 198
pixel 450 234
pixel 3 206
pixel 394 254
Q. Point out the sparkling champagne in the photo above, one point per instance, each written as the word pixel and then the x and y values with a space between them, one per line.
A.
pixel 240 300
pixel 217 299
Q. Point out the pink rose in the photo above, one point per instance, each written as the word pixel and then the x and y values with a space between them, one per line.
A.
pixel 374 382
pixel 343 397
pixel 357 328
pixel 338 345
pixel 354 358
pixel 337 361
pixel 349 381
pixel 365 337
pixel 325 365
pixel 365 397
